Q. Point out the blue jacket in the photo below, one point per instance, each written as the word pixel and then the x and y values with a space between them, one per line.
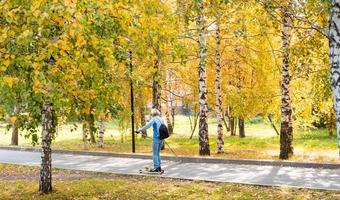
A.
pixel 155 122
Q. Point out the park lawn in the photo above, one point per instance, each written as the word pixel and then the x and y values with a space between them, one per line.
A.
pixel 261 142
pixel 21 182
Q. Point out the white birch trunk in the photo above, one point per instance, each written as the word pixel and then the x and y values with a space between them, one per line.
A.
pixel 45 181
pixel 204 148
pixel 334 57
pixel 286 133
pixel 156 87
pixel 85 133
pixel 218 96
pixel 101 134
pixel 168 112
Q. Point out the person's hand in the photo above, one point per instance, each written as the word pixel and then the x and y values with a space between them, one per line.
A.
pixel 138 130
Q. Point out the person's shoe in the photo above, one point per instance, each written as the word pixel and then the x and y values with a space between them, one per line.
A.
pixel 156 170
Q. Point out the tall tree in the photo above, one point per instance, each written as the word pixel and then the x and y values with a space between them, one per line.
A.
pixel 334 56
pixel 204 148
pixel 45 183
pixel 15 129
pixel 156 85
pixel 286 132
pixel 218 96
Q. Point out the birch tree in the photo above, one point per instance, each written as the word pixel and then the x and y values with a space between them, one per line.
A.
pixel 204 148
pixel 218 96
pixel 286 132
pixel 334 56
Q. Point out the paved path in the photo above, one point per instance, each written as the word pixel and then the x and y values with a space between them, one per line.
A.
pixel 231 173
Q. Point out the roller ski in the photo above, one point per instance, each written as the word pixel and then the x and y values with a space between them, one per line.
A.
pixel 149 170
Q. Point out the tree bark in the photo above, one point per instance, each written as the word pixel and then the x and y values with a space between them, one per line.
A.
pixel 241 129
pixel 169 109
pixel 330 121
pixel 85 133
pixel 156 86
pixel 334 56
pixel 15 135
pixel 272 123
pixel 45 181
pixel 232 126
pixel 132 103
pixel 101 134
pixel 15 131
pixel 168 121
pixel 142 120
pixel 92 128
pixel 193 127
pixel 226 120
pixel 218 96
pixel 286 133
pixel 204 148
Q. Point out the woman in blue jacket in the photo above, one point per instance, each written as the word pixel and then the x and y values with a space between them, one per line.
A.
pixel 157 143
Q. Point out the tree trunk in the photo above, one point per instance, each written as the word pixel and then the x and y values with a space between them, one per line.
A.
pixel 92 129
pixel 132 103
pixel 101 134
pixel 142 120
pixel 204 148
pixel 193 128
pixel 330 122
pixel 85 132
pixel 241 130
pixel 168 121
pixel 226 120
pixel 173 111
pixel 15 135
pixel 218 96
pixel 15 131
pixel 45 182
pixel 334 56
pixel 168 112
pixel 286 133
pixel 156 87
pixel 272 123
pixel 232 126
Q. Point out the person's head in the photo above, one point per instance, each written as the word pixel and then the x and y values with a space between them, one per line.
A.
pixel 155 112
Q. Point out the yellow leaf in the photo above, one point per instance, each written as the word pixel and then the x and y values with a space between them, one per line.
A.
pixel 80 41
pixel 10 81
pixel 101 115
pixel 13 119
pixel 36 66
pixel 94 41
pixel 36 13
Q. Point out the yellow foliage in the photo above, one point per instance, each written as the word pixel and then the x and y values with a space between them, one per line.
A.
pixel 101 115
pixel 54 70
pixel 36 13
pixel 87 110
pixel 13 119
pixel 37 84
pixel 92 94
pixel 6 63
pixel 80 41
pixel 10 81
pixel 36 66
pixel 94 41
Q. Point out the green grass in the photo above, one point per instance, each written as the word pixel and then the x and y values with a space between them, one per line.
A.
pixel 261 142
pixel 138 187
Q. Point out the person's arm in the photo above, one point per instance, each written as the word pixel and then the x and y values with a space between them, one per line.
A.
pixel 148 125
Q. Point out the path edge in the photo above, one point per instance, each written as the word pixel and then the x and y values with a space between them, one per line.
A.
pixel 185 159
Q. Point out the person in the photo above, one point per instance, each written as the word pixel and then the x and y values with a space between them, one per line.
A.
pixel 157 143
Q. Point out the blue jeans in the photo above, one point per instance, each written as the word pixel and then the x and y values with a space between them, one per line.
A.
pixel 156 148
